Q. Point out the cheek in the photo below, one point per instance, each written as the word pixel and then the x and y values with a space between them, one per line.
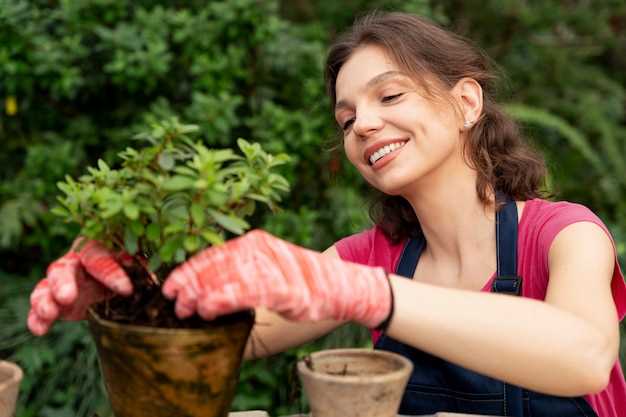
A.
pixel 438 130
pixel 350 150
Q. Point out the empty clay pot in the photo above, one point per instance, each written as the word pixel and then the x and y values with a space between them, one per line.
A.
pixel 10 378
pixel 354 382
pixel 158 372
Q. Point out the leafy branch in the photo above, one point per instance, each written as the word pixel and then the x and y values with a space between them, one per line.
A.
pixel 172 197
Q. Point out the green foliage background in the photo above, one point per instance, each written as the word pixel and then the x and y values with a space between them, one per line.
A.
pixel 79 78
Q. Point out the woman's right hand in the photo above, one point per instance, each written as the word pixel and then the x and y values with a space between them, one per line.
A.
pixel 75 281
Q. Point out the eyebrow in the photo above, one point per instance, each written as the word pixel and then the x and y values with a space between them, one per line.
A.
pixel 378 79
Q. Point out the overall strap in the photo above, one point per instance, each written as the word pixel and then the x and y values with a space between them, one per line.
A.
pixel 410 256
pixel 508 282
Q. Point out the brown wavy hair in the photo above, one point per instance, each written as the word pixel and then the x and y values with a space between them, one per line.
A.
pixel 495 147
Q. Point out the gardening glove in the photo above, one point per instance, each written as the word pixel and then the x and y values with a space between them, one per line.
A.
pixel 75 281
pixel 260 270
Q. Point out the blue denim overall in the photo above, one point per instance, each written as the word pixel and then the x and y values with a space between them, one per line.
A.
pixel 437 385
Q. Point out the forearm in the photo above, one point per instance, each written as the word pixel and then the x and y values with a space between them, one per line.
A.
pixel 273 334
pixel 519 340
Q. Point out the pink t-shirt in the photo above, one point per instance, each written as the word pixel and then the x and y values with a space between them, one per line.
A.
pixel 541 221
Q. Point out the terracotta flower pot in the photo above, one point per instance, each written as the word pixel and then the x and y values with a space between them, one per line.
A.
pixel 160 372
pixel 354 382
pixel 10 378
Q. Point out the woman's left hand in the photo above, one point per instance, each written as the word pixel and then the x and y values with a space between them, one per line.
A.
pixel 260 270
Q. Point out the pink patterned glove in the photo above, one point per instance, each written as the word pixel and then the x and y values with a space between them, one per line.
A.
pixel 67 292
pixel 260 270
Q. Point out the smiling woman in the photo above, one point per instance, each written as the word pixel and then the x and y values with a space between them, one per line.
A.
pixel 420 122
pixel 432 79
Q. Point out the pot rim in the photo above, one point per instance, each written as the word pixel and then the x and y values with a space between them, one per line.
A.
pixel 137 328
pixel 405 369
pixel 16 374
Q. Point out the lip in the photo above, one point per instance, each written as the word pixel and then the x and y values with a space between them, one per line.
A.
pixel 377 145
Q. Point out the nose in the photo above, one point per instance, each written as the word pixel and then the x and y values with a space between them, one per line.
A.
pixel 367 122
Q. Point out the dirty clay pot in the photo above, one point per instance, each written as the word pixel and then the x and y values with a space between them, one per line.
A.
pixel 159 372
pixel 10 378
pixel 354 382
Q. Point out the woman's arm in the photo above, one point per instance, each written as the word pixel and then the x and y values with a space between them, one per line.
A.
pixel 565 346
pixel 272 333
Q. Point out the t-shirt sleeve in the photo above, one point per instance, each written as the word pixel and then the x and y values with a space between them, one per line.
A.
pixel 565 214
pixel 357 247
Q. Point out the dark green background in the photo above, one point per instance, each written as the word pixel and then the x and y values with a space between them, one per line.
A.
pixel 79 77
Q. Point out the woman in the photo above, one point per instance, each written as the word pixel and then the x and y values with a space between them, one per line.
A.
pixel 460 201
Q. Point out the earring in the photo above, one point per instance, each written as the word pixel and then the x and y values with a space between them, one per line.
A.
pixel 467 124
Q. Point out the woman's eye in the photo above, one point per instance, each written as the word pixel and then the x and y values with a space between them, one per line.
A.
pixel 347 124
pixel 387 99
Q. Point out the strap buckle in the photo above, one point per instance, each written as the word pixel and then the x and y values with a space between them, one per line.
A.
pixel 507 284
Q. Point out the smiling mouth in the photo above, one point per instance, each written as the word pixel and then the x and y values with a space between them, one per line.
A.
pixel 385 151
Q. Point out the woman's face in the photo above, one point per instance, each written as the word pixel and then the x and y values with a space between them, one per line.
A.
pixel 393 133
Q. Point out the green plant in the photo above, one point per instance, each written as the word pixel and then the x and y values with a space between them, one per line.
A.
pixel 172 198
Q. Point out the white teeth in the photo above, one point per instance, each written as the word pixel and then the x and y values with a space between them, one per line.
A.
pixel 384 151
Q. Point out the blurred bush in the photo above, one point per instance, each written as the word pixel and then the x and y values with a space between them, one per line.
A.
pixel 78 78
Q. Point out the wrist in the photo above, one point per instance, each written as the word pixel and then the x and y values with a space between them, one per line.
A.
pixel 382 327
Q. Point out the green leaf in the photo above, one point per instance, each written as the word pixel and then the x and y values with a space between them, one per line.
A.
pixel 63 187
pixel 192 243
pixel 103 166
pixel 188 128
pixel 154 263
pixel 230 223
pixel 93 228
pixel 216 198
pixel 201 184
pixel 178 183
pixel 180 255
pixel 280 159
pixel 259 197
pixel 137 227
pixel 131 211
pixel 130 241
pixel 173 228
pixel 153 232
pixel 279 182
pixel 60 211
pixel 249 150
pixel 197 214
pixel 213 237
pixel 166 161
pixel 111 207
pixel 166 252
pixel 224 155
pixel 239 189
pixel 185 171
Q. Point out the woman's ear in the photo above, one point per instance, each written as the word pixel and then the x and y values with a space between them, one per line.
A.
pixel 469 95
